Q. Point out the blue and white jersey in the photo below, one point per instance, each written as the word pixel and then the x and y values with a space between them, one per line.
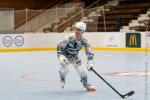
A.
pixel 70 47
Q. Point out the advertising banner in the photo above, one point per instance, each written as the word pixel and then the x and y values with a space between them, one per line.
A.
pixel 11 41
pixel 133 40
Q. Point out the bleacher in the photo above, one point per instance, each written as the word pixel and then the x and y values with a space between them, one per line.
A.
pixel 125 12
pixel 60 27
pixel 144 25
pixel 20 15
pixel 113 18
pixel 101 16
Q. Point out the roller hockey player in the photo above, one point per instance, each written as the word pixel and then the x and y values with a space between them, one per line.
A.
pixel 67 52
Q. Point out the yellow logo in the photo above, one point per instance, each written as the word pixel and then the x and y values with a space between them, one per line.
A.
pixel 133 40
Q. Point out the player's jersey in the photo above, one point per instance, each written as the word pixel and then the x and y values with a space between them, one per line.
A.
pixel 70 47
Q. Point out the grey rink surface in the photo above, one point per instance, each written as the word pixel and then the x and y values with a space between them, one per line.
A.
pixel 34 76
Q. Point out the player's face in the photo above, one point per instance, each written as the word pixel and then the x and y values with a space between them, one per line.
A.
pixel 78 31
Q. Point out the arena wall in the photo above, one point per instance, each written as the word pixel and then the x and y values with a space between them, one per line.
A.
pixel 49 41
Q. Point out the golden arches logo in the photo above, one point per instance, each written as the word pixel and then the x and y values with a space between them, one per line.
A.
pixel 133 40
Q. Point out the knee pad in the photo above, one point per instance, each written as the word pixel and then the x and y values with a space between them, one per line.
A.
pixel 63 60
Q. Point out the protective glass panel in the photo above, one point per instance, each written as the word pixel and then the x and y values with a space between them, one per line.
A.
pixel 6 19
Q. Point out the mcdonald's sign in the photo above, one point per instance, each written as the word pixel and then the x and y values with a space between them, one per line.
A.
pixel 133 40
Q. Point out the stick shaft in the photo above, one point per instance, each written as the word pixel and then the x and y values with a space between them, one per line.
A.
pixel 107 83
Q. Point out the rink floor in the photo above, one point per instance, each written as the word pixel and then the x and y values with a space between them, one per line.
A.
pixel 34 76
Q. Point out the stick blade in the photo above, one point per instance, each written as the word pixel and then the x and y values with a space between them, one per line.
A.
pixel 128 94
pixel 131 93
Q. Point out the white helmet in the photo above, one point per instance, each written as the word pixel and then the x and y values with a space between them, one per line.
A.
pixel 80 25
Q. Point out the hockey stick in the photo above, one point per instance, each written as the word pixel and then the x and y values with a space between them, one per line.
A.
pixel 123 96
